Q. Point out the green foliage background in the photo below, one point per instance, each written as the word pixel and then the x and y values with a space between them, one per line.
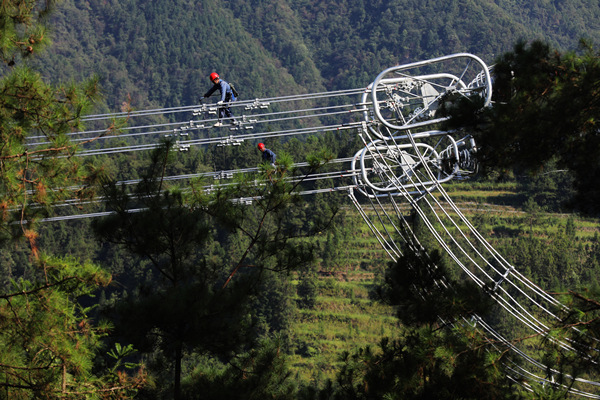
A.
pixel 160 53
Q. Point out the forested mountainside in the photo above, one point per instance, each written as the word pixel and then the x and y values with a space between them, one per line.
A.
pixel 193 291
pixel 160 53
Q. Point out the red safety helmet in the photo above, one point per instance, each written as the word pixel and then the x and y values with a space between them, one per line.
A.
pixel 214 76
pixel 261 146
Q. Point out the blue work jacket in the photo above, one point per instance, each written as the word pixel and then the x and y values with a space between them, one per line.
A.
pixel 224 88
pixel 269 156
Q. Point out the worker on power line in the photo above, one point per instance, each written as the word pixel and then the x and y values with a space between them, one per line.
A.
pixel 227 96
pixel 267 154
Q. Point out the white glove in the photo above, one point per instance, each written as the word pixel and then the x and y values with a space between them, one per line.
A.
pixel 220 103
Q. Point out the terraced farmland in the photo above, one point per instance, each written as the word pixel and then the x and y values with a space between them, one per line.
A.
pixel 347 316
pixel 343 319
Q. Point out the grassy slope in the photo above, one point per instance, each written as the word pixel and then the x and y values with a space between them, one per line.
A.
pixel 345 319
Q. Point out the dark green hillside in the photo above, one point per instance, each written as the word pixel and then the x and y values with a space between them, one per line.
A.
pixel 189 289
pixel 160 53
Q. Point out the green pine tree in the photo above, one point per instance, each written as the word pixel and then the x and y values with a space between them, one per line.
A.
pixel 197 298
pixel 49 344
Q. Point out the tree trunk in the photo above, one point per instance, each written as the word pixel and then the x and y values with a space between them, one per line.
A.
pixel 177 383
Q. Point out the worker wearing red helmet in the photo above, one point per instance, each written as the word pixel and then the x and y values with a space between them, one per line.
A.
pixel 227 96
pixel 267 154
